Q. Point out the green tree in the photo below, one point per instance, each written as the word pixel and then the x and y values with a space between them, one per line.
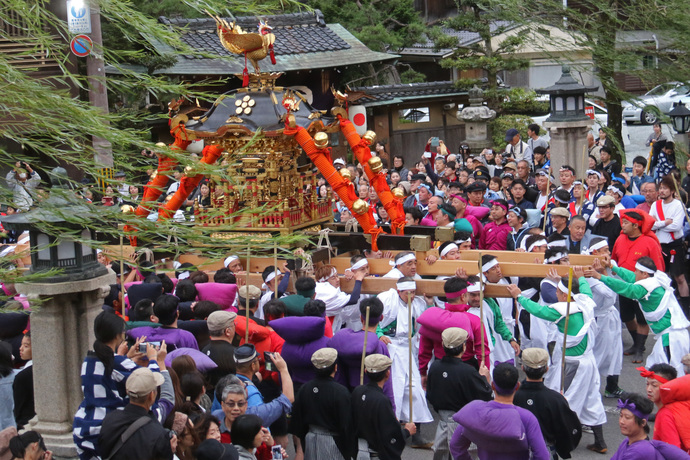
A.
pixel 487 19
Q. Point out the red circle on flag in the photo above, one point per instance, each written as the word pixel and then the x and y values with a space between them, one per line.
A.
pixel 359 119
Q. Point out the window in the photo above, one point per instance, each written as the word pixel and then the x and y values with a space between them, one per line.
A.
pixel 414 115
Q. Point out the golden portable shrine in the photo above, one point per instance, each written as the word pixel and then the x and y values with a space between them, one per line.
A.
pixel 259 132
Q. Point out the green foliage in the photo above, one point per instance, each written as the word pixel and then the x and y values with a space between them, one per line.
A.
pixel 523 101
pixel 412 76
pixel 503 123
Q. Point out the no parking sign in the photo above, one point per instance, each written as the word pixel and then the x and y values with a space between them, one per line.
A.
pixel 81 45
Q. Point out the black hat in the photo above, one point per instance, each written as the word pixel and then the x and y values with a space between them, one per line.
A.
pixel 211 449
pixel 421 177
pixel 474 187
pixel 480 174
pixel 562 196
pixel 245 353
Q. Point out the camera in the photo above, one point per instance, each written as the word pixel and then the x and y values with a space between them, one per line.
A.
pixel 142 346
pixel 276 453
pixel 270 367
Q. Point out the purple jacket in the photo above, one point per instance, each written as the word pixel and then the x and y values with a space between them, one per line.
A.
pixel 648 450
pixel 500 431
pixel 174 338
pixel 349 345
pixel 303 335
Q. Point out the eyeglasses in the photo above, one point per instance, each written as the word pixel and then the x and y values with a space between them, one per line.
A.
pixel 239 404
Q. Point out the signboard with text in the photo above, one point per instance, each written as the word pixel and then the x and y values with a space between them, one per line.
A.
pixel 78 17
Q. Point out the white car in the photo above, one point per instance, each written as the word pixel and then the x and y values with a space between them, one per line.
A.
pixel 659 100
pixel 601 118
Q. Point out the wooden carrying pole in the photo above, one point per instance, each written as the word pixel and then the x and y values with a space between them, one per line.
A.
pixel 364 349
pixel 275 263
pixel 409 343
pixel 675 183
pixel 246 301
pixel 565 328
pixel 122 277
pixel 481 307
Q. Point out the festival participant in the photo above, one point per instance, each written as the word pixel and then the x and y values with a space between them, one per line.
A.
pixel 434 321
pixel 559 424
pixel 578 238
pixel 582 391
pixel 495 234
pixel 322 413
pixel 378 431
pixel 23 385
pixel 633 422
pixel 650 191
pixel 535 243
pixel 272 275
pixel 559 221
pixel 221 329
pixel 350 344
pixel 518 189
pixel 445 217
pixel 652 289
pixel 605 222
pixel 500 429
pixel 505 348
pixel 451 385
pixel 328 291
pixel 393 330
pixel 670 217
pixel 581 206
pixel 166 310
pixel 593 192
pixel 305 288
pixel 517 218
pixel 233 263
pixel 464 221
pixel 609 343
pixel 669 395
pixel 404 264
pixel 493 324
pixel 567 177
pixel 544 180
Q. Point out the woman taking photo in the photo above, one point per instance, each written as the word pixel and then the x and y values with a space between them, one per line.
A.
pixel 29 446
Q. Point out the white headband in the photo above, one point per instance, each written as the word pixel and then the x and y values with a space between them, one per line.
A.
pixel 592 171
pixel 359 264
pixel 449 248
pixel 229 260
pixel 406 286
pixel 473 287
pixel 642 268
pixel 466 240
pixel 271 276
pixel 537 244
pixel 616 190
pixel 601 244
pixel 330 275
pixel 183 276
pixel 176 264
pixel 556 244
pixel 402 260
pixel 556 257
pixel 24 240
pixel 8 250
pixel 562 287
pixel 489 265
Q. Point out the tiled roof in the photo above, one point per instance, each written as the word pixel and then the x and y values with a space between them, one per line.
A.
pixel 303 41
pixel 394 94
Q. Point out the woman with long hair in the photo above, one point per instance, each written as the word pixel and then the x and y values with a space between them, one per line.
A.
pixel 23 386
pixel 103 376
pixel 248 434
pixel 29 446
pixel 6 380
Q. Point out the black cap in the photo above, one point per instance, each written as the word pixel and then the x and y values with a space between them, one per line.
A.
pixel 475 186
pixel 211 449
pixel 480 174
pixel 421 177
pixel 245 353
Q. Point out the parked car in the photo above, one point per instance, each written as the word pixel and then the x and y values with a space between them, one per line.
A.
pixel 659 100
pixel 601 118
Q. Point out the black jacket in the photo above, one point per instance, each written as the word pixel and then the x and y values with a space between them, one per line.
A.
pixel 150 442
pixel 451 384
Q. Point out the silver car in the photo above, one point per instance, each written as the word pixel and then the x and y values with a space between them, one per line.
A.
pixel 658 101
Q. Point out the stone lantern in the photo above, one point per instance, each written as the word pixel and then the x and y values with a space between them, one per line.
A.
pixel 64 303
pixel 568 124
pixel 477 117
pixel 680 119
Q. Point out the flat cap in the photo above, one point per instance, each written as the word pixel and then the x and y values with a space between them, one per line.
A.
pixel 245 353
pixel 220 320
pixel 377 363
pixel 454 337
pixel 475 187
pixel 606 200
pixel 323 358
pixel 535 357
pixel 250 292
pixel 561 212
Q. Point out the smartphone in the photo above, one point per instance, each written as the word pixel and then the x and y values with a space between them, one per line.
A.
pixel 142 347
pixel 270 367
pixel 427 155
pixel 434 141
pixel 276 453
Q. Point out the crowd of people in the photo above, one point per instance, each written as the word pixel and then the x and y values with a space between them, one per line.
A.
pixel 194 365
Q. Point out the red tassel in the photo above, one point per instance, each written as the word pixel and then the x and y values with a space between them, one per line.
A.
pixel 273 56
pixel 245 72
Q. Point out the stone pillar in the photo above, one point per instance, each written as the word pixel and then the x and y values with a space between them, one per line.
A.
pixel 61 334
pixel 569 145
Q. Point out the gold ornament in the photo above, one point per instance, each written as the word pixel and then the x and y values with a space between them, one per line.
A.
pixel 127 209
pixel 321 140
pixel 398 193
pixel 345 173
pixel 370 137
pixel 360 207
pixel 375 164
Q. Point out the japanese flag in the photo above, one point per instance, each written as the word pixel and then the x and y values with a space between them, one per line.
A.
pixel 358 117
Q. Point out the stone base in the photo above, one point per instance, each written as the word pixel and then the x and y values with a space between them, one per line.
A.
pixel 57 437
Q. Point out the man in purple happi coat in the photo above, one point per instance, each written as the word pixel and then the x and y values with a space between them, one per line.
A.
pixel 500 430
pixel 166 310
pixel 350 344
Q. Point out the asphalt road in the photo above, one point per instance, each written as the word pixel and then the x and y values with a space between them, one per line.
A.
pixel 638 136
pixel 630 380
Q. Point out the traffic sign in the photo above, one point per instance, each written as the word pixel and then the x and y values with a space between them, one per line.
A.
pixel 78 17
pixel 81 45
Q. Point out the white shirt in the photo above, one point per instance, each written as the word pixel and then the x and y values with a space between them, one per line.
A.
pixel 672 210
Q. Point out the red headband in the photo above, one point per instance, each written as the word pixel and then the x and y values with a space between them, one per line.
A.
pixel 455 295
pixel 639 222
pixel 651 375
